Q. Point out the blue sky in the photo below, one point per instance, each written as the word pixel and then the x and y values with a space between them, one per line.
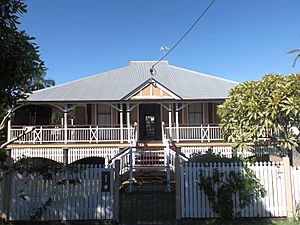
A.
pixel 237 39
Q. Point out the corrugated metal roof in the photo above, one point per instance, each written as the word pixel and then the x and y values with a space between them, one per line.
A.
pixel 115 84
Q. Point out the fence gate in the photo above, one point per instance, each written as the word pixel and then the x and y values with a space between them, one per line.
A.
pixel 148 201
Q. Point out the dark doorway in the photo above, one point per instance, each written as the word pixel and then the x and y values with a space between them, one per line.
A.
pixel 150 122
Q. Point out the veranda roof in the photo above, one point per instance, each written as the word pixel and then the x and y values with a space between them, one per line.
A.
pixel 116 85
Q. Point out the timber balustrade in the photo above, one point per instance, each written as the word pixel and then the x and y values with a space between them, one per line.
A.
pixel 201 133
pixel 75 135
pixel 95 134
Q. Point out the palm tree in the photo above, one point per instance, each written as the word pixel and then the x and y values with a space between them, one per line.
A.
pixel 39 81
pixel 297 52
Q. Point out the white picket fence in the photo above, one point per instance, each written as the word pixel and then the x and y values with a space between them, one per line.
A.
pixel 195 204
pixel 295 175
pixel 75 194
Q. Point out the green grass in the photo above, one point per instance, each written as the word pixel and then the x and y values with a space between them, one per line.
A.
pixel 147 207
pixel 183 222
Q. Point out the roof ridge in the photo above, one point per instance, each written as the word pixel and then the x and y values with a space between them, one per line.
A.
pixel 149 61
pixel 203 74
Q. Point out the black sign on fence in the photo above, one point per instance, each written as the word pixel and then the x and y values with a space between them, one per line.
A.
pixel 105 181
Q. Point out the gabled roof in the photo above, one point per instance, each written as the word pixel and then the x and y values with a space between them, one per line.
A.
pixel 117 84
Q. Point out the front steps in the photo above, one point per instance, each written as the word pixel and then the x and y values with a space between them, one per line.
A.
pixel 149 169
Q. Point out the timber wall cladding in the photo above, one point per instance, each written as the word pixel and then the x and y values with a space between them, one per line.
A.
pixel 80 153
pixel 71 194
pixel 194 203
pixel 56 154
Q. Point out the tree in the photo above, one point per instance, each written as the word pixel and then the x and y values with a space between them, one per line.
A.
pixel 297 52
pixel 20 62
pixel 262 112
pixel 21 68
pixel 40 82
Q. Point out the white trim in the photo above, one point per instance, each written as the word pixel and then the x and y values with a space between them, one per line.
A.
pixel 150 97
pixel 66 124
pixel 161 92
pixel 151 90
pixel 172 95
pixel 128 112
pixel 170 118
pixel 177 121
pixel 168 92
pixel 121 121
pixel 138 120
pixel 9 128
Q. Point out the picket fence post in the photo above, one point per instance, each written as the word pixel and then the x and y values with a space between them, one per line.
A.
pixel 65 156
pixel 116 191
pixel 288 187
pixel 178 184
pixel 7 179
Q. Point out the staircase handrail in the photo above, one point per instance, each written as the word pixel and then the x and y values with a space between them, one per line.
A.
pixel 164 135
pixel 135 132
pixel 121 153
pixel 176 150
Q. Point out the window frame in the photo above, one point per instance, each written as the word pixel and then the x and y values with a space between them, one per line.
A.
pixel 196 114
pixel 105 113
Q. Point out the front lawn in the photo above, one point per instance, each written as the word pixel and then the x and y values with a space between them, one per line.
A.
pixel 183 222
pixel 240 222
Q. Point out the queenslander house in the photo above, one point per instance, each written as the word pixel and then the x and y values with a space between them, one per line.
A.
pixel 105 114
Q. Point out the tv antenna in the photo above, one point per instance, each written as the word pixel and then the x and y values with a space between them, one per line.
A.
pixel 165 50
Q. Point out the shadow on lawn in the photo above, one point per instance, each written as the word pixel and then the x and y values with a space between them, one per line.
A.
pixel 240 221
pixel 59 223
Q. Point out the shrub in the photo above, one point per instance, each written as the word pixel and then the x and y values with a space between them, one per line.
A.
pixel 220 188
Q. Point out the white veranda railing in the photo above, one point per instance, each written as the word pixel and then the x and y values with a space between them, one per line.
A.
pixel 201 133
pixel 75 134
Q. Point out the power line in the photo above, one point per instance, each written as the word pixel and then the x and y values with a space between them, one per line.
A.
pixel 183 36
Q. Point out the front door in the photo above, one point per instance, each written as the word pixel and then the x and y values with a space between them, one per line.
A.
pixel 150 122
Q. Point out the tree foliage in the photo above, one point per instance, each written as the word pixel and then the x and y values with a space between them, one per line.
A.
pixel 211 157
pixel 21 68
pixel 262 112
pixel 20 62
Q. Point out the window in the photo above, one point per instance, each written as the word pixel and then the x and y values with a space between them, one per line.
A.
pixel 212 113
pixel 103 114
pixel 196 114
